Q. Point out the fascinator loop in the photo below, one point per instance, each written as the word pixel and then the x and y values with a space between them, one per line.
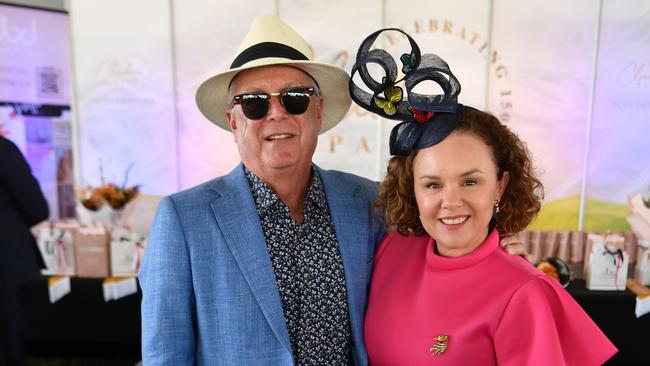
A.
pixel 426 118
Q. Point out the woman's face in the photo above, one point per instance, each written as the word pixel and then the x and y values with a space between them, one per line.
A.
pixel 455 184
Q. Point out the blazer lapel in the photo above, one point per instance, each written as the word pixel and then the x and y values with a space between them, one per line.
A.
pixel 239 223
pixel 350 215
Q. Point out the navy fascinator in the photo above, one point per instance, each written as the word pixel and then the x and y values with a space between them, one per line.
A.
pixel 426 118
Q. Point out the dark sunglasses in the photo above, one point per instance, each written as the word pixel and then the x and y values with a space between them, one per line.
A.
pixel 256 105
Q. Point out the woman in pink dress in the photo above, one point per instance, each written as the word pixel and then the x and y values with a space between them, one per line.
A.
pixel 441 293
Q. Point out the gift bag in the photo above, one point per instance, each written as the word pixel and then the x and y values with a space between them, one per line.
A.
pixel 91 251
pixel 606 262
pixel 55 242
pixel 127 249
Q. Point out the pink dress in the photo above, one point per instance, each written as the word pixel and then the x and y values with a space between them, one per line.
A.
pixel 493 307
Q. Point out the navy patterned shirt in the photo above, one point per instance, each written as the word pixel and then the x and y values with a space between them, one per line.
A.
pixel 309 273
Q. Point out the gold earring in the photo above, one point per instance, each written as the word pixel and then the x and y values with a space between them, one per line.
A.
pixel 496 206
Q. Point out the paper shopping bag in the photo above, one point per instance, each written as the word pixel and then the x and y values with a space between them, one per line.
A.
pixel 127 249
pixel 55 243
pixel 91 252
pixel 606 262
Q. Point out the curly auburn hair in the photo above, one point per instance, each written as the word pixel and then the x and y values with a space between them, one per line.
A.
pixel 521 199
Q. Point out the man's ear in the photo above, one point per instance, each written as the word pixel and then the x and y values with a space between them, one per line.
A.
pixel 232 122
pixel 319 113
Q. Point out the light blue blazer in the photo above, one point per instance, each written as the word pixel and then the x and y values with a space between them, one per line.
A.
pixel 209 292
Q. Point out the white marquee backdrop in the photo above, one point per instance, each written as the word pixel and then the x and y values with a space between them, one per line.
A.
pixel 536 74
pixel 125 101
pixel 335 35
pixel 545 59
pixel 34 71
pixel 458 36
pixel 206 33
pixel 619 158
pixel 621 100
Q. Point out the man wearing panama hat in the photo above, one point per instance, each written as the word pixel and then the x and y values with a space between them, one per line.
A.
pixel 269 264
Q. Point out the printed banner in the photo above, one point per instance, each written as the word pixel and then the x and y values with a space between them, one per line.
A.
pixel 207 35
pixel 35 98
pixel 124 77
pixel 354 144
pixel 447 29
pixel 619 162
pixel 540 83
pixel 529 64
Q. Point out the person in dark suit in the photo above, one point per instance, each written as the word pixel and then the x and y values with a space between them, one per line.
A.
pixel 22 205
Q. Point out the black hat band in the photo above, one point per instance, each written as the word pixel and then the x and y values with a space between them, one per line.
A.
pixel 266 50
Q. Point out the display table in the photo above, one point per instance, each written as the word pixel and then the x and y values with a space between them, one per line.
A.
pixel 82 324
pixel 613 311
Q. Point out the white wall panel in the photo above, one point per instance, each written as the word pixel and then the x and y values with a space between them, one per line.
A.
pixel 207 35
pixel 446 28
pixel 541 80
pixel 123 64
pixel 335 30
pixel 619 162
pixel 530 63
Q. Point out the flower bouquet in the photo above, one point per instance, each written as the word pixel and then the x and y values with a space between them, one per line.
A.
pixel 108 204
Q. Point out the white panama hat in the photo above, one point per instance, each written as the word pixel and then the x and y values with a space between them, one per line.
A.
pixel 271 42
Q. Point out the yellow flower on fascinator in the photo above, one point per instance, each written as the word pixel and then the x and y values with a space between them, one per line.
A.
pixel 393 95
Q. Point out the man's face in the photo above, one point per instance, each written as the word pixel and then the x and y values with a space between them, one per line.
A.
pixel 279 141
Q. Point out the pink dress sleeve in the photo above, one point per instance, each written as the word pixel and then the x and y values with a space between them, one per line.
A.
pixel 543 325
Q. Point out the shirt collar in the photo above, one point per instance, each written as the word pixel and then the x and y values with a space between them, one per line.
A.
pixel 316 193
pixel 265 197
